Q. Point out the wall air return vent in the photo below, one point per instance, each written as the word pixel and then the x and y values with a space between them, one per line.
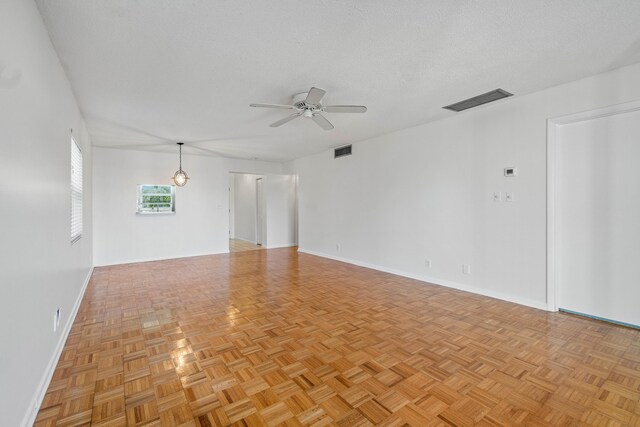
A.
pixel 494 95
pixel 342 151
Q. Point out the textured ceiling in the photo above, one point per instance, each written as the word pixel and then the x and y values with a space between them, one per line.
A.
pixel 148 73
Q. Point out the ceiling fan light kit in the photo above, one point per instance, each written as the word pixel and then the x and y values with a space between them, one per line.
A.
pixel 308 105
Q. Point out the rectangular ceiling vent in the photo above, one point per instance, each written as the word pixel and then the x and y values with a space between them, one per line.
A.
pixel 485 98
pixel 342 151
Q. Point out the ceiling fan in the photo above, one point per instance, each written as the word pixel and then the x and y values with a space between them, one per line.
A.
pixel 308 105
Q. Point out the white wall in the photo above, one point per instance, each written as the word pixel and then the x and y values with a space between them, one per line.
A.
pixel 598 217
pixel 280 194
pixel 426 193
pixel 39 268
pixel 200 225
pixel 245 206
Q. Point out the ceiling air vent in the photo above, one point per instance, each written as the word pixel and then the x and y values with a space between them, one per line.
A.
pixel 342 151
pixel 494 95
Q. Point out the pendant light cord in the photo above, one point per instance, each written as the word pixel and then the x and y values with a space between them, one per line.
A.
pixel 180 145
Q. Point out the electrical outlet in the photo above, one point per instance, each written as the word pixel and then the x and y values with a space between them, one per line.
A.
pixel 509 196
pixel 56 319
pixel 338 247
pixel 497 196
pixel 427 263
pixel 466 269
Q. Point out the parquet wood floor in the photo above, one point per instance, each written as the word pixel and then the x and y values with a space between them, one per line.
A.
pixel 237 245
pixel 276 338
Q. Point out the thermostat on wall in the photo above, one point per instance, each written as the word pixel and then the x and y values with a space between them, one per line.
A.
pixel 510 171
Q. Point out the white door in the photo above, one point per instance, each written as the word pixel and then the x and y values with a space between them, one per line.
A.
pixel 259 211
pixel 598 217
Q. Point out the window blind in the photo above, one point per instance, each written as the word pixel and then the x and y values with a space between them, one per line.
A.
pixel 76 191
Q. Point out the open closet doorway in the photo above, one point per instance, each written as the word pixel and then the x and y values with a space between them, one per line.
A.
pixel 259 216
pixel 593 210
pixel 262 211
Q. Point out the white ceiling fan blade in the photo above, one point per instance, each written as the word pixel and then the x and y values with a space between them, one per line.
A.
pixel 345 109
pixel 314 96
pixel 280 106
pixel 322 121
pixel 285 120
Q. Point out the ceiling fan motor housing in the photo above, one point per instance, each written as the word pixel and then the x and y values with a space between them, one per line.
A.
pixel 298 102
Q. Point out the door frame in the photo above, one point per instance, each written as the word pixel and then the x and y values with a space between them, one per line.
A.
pixel 553 140
pixel 259 210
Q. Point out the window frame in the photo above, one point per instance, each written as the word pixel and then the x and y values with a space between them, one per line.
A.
pixel 140 194
pixel 76 188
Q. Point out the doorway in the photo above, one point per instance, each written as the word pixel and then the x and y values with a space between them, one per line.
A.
pixel 259 208
pixel 593 211
pixel 262 211
pixel 245 207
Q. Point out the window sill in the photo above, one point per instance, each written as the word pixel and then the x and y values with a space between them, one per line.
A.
pixel 155 213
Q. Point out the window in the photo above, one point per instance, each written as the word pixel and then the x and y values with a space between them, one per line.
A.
pixel 156 199
pixel 76 191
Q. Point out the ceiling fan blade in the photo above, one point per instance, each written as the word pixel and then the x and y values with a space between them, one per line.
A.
pixel 322 121
pixel 283 107
pixel 285 120
pixel 345 109
pixel 314 96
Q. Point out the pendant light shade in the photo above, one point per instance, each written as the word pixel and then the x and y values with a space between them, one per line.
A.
pixel 180 177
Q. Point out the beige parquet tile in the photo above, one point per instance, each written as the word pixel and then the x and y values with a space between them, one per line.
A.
pixel 273 337
pixel 237 245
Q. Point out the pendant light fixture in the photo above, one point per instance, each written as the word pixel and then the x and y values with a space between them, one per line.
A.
pixel 180 177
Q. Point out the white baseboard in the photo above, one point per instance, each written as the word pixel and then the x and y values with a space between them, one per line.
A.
pixel 435 281
pixel 287 245
pixel 38 397
pixel 244 240
pixel 137 260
